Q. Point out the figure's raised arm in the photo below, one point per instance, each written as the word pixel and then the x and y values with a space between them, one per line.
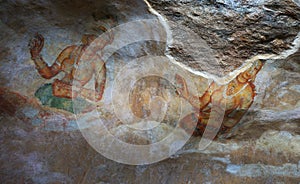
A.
pixel 36 45
pixel 183 91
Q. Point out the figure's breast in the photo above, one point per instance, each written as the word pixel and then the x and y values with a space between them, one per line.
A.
pixel 70 63
pixel 244 96
pixel 247 94
pixel 67 65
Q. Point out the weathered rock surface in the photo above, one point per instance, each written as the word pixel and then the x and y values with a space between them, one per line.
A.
pixel 234 30
pixel 40 144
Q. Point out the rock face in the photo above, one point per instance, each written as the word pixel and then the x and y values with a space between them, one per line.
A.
pixel 234 30
pixel 201 40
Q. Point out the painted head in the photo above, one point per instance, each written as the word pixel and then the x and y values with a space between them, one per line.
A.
pixel 251 72
pixel 87 39
pixel 100 27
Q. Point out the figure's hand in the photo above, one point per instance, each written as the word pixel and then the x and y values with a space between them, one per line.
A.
pixel 181 86
pixel 36 45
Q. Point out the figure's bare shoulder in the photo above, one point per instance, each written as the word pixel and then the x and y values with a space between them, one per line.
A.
pixel 68 50
pixel 66 53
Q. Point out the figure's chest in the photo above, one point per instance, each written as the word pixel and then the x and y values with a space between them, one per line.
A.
pixel 243 95
pixel 231 96
pixel 68 65
pixel 72 61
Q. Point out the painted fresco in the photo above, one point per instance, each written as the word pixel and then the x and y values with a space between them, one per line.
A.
pixel 59 94
pixel 236 97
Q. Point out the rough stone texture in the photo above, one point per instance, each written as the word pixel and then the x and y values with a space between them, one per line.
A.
pixel 43 145
pixel 235 30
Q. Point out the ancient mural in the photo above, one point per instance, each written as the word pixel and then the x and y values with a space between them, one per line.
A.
pixel 42 98
pixel 237 96
pixel 59 94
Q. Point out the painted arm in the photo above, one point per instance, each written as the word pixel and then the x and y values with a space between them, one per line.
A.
pixel 83 75
pixel 36 45
pixel 100 83
pixel 199 103
pixel 243 101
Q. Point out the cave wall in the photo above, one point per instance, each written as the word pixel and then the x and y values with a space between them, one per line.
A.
pixel 42 144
